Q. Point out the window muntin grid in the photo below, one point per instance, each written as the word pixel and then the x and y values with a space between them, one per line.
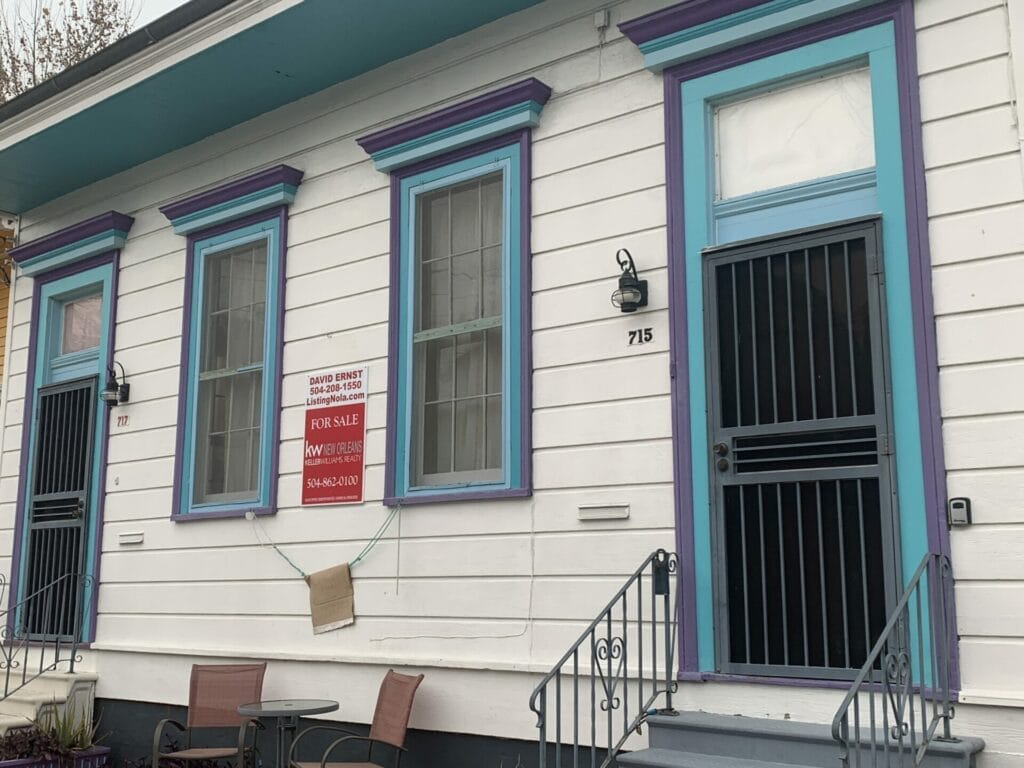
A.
pixel 458 334
pixel 230 394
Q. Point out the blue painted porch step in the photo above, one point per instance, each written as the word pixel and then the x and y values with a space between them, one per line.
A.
pixel 704 740
pixel 671 758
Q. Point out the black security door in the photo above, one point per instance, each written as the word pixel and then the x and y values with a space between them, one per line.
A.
pixel 802 478
pixel 59 509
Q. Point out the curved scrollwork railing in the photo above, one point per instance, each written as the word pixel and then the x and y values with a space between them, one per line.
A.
pixel 607 682
pixel 42 632
pixel 901 700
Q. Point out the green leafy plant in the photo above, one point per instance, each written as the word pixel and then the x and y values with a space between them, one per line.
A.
pixel 57 736
pixel 70 729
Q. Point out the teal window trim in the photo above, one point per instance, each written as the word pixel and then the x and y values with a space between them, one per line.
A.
pixel 104 242
pixel 508 160
pixel 200 249
pixel 819 202
pixel 261 200
pixel 88 363
pixel 525 114
pixel 769 18
pixel 877 45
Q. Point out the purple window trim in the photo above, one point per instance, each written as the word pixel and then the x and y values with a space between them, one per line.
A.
pixel 279 174
pixel 113 258
pixel 224 514
pixel 69 235
pixel 524 139
pixel 530 89
pixel 901 14
pixel 281 214
pixel 469 494
pixel 685 15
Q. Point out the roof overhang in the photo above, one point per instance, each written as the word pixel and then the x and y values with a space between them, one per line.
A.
pixel 228 66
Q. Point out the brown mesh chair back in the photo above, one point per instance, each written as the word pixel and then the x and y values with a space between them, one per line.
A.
pixel 218 690
pixel 394 703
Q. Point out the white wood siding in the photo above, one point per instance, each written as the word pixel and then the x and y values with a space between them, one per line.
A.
pixel 475 586
pixel 975 197
pixel 975 192
pixel 485 595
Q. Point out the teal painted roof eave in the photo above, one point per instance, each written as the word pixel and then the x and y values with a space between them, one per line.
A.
pixel 295 53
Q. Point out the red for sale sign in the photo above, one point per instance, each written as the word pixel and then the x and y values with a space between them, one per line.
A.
pixel 332 467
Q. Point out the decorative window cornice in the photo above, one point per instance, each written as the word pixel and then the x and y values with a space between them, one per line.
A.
pixel 254 193
pixel 681 16
pixel 696 28
pixel 100 234
pixel 508 109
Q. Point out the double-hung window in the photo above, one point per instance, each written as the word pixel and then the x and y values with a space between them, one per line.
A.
pixel 457 333
pixel 230 397
pixel 232 365
pixel 232 342
pixel 459 351
pixel 460 359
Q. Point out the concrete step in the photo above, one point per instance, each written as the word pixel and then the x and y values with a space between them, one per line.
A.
pixel 30 705
pixel 63 690
pixel 59 683
pixel 777 741
pixel 671 758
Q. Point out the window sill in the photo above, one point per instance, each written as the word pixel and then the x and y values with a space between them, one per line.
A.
pixel 469 494
pixel 221 514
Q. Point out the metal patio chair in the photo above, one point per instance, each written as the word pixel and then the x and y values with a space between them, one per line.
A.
pixel 387 732
pixel 215 693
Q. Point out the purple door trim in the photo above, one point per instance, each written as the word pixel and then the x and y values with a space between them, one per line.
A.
pixel 113 258
pixel 901 14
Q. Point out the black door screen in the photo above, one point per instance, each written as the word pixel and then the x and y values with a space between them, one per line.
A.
pixel 58 509
pixel 802 499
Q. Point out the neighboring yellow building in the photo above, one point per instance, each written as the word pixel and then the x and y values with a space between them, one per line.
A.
pixel 6 242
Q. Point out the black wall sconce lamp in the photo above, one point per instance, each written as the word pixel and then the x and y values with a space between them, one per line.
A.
pixel 115 392
pixel 632 292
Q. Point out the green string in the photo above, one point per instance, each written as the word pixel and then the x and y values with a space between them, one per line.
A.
pixel 366 550
pixel 288 560
pixel 376 537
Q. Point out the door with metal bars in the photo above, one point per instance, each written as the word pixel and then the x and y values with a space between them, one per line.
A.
pixel 804 519
pixel 58 510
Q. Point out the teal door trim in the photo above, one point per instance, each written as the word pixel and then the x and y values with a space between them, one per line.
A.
pixel 875 46
pixel 51 288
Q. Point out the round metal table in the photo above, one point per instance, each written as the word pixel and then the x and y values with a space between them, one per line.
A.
pixel 287 712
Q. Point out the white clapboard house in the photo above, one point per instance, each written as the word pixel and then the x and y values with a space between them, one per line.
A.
pixel 720 300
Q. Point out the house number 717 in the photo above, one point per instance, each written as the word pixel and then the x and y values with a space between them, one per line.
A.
pixel 641 336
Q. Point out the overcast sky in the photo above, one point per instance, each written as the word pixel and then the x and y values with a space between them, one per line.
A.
pixel 151 9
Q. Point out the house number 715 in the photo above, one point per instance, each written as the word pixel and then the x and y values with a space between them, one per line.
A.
pixel 641 336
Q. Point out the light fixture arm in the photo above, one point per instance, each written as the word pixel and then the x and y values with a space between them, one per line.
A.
pixel 625 262
pixel 631 293
pixel 116 392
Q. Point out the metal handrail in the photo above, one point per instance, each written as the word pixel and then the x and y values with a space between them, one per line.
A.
pixel 909 670
pixel 614 639
pixel 42 632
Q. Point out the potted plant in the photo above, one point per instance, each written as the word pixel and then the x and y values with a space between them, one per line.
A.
pixel 59 739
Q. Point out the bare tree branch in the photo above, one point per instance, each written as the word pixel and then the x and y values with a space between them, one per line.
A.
pixel 41 38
